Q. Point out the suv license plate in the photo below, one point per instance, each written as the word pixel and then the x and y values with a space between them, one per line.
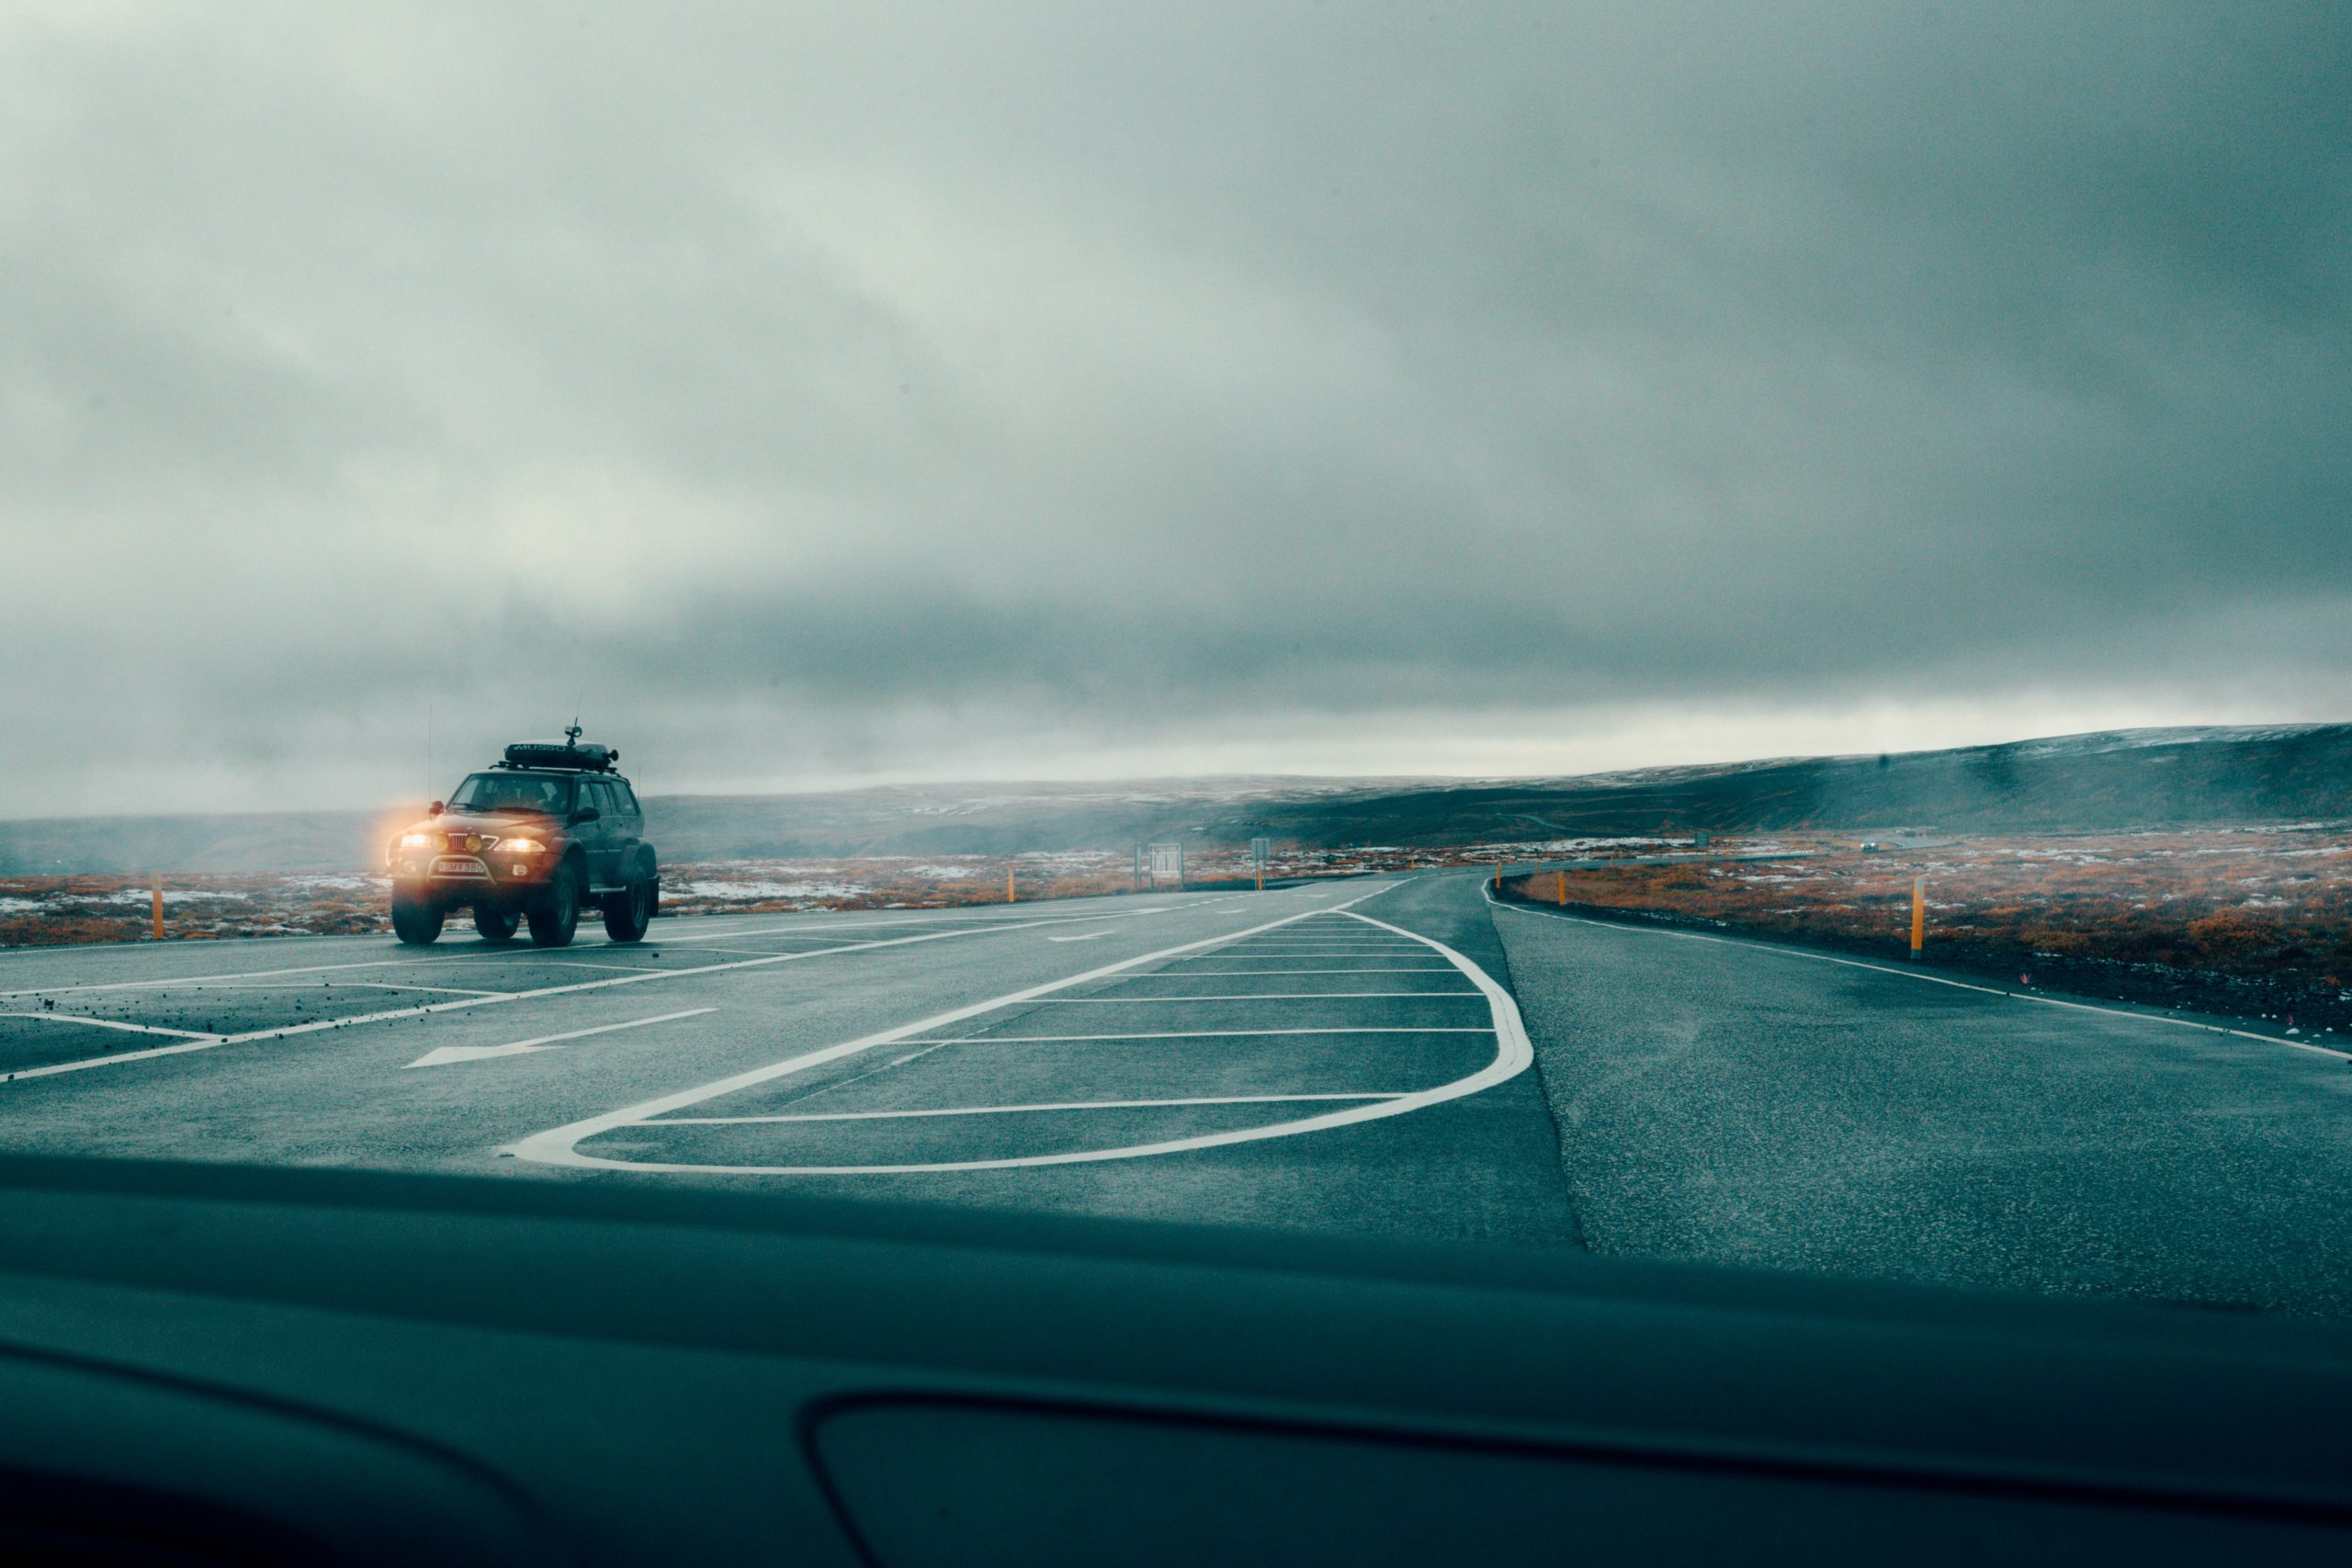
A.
pixel 459 866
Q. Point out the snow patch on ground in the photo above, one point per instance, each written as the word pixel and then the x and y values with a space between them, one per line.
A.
pixel 760 892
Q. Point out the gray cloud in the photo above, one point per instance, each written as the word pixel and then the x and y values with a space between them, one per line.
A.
pixel 814 393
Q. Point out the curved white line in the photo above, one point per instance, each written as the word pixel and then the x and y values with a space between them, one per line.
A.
pixel 1513 1055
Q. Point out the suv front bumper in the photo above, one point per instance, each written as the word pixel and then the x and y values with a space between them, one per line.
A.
pixel 451 880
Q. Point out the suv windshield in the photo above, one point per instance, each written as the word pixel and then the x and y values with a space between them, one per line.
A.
pixel 513 792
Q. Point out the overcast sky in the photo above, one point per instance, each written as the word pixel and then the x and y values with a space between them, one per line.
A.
pixel 807 395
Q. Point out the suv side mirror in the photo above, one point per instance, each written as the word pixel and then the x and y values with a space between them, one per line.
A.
pixel 435 810
pixel 585 814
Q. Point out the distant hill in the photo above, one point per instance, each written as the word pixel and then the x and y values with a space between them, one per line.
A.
pixel 2082 783
pixel 2121 779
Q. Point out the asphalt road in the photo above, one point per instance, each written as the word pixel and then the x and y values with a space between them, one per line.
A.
pixel 1382 1056
pixel 1339 1058
pixel 1744 1102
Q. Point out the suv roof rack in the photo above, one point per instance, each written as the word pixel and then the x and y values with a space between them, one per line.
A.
pixel 578 756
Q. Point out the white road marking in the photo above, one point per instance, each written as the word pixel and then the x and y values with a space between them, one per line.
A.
pixel 1175 1034
pixel 957 917
pixel 257 974
pixel 112 1023
pixel 1930 979
pixel 1316 950
pixel 1231 974
pixel 964 927
pixel 448 1053
pixel 1008 1109
pixel 1239 997
pixel 1082 936
pixel 289 1030
pixel 523 953
pixel 743 952
pixel 555 1146
pixel 309 990
pixel 1513 1054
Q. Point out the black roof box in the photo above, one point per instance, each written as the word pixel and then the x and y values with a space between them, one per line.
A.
pixel 584 756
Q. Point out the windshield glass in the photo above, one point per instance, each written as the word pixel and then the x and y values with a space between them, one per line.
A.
pixel 1707 630
pixel 513 792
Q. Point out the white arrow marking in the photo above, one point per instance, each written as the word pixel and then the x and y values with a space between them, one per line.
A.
pixel 448 1053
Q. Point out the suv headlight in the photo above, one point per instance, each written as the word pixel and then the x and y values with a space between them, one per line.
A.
pixel 416 840
pixel 521 847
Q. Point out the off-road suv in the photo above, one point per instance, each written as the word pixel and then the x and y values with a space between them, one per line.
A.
pixel 544 832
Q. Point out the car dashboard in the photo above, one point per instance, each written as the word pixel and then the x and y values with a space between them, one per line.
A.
pixel 220 1365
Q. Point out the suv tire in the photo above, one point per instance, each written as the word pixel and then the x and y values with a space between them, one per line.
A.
pixel 496 925
pixel 414 921
pixel 629 911
pixel 557 916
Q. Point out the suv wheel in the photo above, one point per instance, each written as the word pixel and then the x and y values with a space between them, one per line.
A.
pixel 629 911
pixel 496 925
pixel 414 921
pixel 557 914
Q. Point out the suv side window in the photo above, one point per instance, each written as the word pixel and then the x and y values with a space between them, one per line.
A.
pixel 628 796
pixel 600 795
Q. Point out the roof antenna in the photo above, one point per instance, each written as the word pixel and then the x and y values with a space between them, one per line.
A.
pixel 572 735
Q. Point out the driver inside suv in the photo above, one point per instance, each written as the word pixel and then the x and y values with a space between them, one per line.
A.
pixel 513 792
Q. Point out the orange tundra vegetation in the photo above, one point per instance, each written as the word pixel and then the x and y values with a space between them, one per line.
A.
pixel 2248 920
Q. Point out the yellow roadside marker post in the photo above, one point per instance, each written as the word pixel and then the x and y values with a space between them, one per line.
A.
pixel 155 906
pixel 1918 916
pixel 1008 885
pixel 1560 891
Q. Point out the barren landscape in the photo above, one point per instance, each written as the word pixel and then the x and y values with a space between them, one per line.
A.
pixel 2254 922
pixel 36 911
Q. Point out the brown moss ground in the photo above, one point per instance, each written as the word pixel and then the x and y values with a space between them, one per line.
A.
pixel 2250 922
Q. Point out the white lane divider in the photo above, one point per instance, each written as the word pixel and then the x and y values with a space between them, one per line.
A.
pixel 111 1023
pixel 1082 936
pixel 309 990
pixel 1513 1055
pixel 211 1041
pixel 191 1039
pixel 1460 993
pixel 1012 1110
pixel 1183 1034
pixel 487 954
pixel 1224 974
pixel 448 1053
